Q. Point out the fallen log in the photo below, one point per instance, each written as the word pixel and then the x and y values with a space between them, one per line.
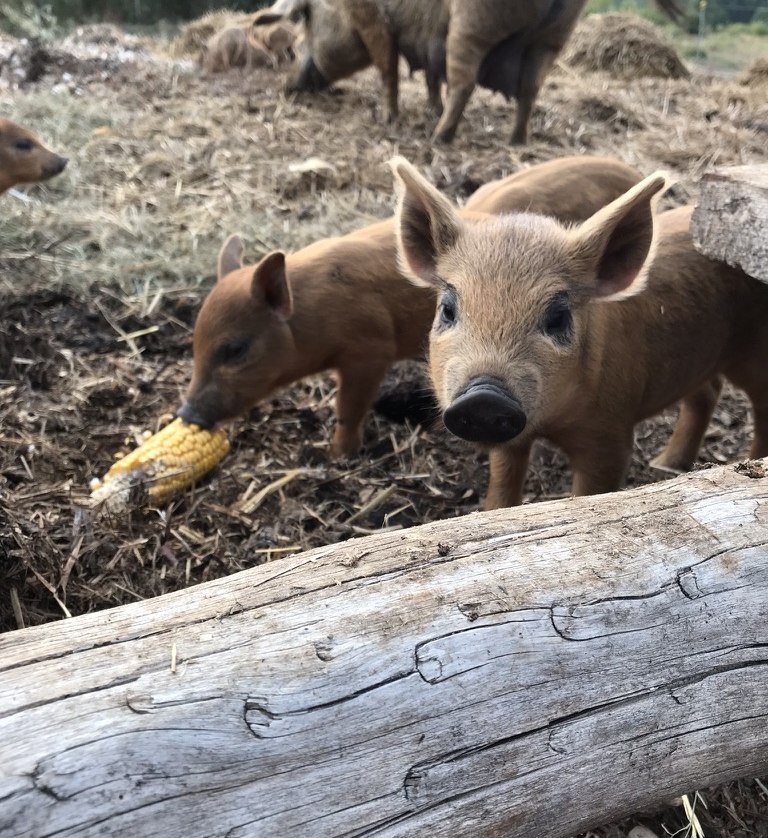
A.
pixel 523 672
pixel 731 218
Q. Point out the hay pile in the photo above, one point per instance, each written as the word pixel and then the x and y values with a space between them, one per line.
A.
pixel 197 32
pixel 757 74
pixel 624 45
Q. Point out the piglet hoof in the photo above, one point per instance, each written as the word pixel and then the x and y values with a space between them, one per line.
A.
pixel 344 448
pixel 668 467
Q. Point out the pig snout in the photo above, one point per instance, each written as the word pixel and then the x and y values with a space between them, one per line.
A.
pixel 485 412
pixel 56 166
pixel 309 78
pixel 189 412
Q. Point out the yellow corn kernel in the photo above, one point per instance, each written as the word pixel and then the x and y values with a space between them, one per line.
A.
pixel 165 463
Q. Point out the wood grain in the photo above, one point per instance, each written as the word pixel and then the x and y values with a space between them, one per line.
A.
pixel 731 218
pixel 523 672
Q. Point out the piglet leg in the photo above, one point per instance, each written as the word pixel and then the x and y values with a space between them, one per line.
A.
pixel 695 412
pixel 358 386
pixel 509 465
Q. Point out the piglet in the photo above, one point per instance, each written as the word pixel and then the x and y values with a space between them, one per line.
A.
pixel 23 158
pixel 231 47
pixel 575 334
pixel 342 304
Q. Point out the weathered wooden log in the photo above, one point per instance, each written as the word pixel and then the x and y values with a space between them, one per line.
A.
pixel 731 218
pixel 524 672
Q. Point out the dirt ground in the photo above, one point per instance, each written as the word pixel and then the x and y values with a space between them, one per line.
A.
pixel 103 269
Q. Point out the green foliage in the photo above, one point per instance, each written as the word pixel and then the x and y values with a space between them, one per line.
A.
pixel 717 12
pixel 28 20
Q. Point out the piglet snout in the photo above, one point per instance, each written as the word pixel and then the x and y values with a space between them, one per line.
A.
pixel 189 413
pixel 485 412
pixel 55 166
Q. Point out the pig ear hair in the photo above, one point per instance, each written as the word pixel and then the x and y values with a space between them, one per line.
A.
pixel 426 224
pixel 616 245
pixel 230 256
pixel 270 284
pixel 291 9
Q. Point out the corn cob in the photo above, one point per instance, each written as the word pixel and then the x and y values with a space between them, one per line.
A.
pixel 165 463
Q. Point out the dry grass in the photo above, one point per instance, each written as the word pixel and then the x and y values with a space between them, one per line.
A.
pixel 756 74
pixel 195 33
pixel 624 45
pixel 165 164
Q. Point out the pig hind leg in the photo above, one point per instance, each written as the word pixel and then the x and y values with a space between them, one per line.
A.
pixel 748 371
pixel 434 94
pixel 358 386
pixel 696 410
pixel 535 65
pixel 375 35
pixel 756 388
pixel 463 60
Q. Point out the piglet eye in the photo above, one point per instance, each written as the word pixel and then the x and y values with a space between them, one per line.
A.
pixel 24 145
pixel 558 321
pixel 447 308
pixel 233 351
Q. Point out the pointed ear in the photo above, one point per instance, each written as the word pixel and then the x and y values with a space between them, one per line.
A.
pixel 427 224
pixel 230 256
pixel 270 284
pixel 614 248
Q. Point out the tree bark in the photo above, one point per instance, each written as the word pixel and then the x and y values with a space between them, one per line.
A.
pixel 731 218
pixel 523 672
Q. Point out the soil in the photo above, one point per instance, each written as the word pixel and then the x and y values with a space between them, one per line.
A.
pixel 101 276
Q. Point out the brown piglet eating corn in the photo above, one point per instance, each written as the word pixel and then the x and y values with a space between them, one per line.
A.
pixel 342 304
pixel 23 158
pixel 575 334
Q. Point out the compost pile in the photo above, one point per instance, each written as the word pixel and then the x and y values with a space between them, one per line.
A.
pixel 103 269
pixel 624 45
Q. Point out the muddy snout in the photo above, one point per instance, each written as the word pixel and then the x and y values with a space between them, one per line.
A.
pixel 485 412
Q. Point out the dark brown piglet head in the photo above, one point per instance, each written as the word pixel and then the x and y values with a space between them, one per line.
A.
pixel 241 338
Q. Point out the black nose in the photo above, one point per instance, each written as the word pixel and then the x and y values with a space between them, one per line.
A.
pixel 56 166
pixel 485 412
pixel 189 413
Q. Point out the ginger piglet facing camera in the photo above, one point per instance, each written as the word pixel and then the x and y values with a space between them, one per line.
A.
pixel 576 334
pixel 23 158
pixel 342 303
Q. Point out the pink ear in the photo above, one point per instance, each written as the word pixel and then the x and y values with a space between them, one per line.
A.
pixel 427 225
pixel 270 284
pixel 616 244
